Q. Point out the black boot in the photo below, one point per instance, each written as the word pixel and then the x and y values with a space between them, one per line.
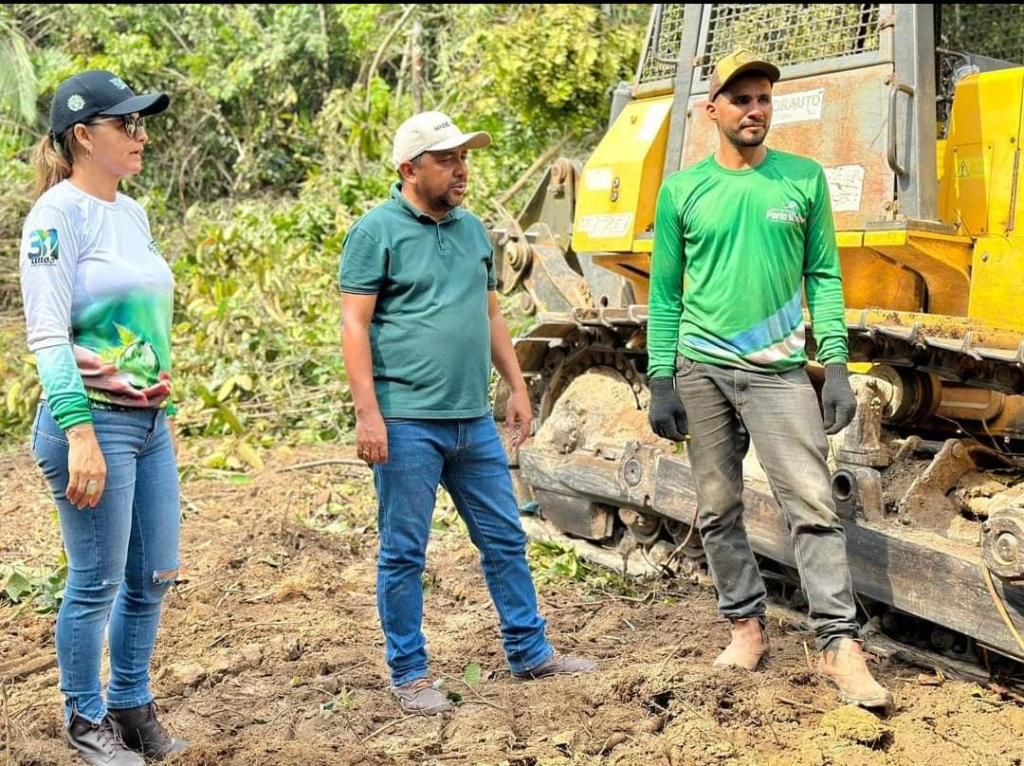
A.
pixel 142 732
pixel 98 744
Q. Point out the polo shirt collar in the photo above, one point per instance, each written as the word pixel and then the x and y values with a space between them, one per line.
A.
pixel 399 198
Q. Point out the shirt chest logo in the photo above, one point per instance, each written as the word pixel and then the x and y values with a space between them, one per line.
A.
pixel 789 214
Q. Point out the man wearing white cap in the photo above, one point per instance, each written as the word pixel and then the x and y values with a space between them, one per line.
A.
pixel 421 327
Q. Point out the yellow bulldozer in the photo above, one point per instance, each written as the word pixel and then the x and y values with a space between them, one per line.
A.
pixel 915 112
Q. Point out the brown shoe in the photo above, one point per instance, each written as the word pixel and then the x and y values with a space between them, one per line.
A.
pixel 844 663
pixel 749 645
pixel 557 664
pixel 421 696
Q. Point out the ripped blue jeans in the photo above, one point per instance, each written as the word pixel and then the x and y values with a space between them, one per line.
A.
pixel 122 556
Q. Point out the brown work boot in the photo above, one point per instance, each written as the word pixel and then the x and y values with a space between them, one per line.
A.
pixel 844 663
pixel 748 647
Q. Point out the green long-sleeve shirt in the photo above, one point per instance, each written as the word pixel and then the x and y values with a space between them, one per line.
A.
pixel 747 241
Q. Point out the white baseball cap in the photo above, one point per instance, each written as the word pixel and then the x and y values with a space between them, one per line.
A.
pixel 433 132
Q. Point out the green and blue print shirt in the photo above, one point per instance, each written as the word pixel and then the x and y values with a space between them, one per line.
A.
pixel 98 297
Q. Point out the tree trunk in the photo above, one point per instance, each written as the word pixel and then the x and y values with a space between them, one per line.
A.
pixel 417 68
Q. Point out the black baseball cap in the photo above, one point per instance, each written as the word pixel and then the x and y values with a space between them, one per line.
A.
pixel 99 93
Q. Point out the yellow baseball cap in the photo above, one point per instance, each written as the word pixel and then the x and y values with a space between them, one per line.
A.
pixel 739 62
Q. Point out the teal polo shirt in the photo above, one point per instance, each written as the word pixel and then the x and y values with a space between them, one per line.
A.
pixel 430 335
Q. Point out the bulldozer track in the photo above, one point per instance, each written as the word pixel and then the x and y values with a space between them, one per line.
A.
pixel 564 346
pixel 900 640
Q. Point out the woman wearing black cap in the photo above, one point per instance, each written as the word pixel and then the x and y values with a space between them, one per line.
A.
pixel 97 296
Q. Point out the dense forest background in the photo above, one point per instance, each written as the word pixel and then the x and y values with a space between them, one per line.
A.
pixel 277 139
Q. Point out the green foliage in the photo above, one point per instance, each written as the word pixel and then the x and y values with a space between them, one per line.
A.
pixel 15 179
pixel 446 519
pixel 244 82
pixel 343 700
pixel 552 65
pixel 17 76
pixel 21 387
pixel 278 137
pixel 256 326
pixel 552 562
pixel 41 587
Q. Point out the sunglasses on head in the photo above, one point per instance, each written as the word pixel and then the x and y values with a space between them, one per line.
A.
pixel 132 124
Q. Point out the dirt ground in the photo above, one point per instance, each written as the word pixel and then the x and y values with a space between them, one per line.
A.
pixel 270 652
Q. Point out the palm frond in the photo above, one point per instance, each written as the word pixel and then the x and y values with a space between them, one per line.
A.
pixel 18 84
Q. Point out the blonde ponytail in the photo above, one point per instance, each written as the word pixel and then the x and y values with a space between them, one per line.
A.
pixel 52 165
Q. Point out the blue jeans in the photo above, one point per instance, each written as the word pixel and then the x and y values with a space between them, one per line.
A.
pixel 122 556
pixel 467 457
pixel 726 408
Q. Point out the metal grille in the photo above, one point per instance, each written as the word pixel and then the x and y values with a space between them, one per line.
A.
pixel 784 34
pixel 995 31
pixel 663 48
pixel 790 34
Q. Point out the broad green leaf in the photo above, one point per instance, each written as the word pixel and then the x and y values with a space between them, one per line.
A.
pixel 230 418
pixel 225 389
pixel 472 674
pixel 17 587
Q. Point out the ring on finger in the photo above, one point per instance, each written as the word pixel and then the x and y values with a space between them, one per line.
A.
pixel 92 487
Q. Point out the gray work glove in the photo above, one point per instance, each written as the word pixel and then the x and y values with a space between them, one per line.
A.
pixel 668 418
pixel 840 405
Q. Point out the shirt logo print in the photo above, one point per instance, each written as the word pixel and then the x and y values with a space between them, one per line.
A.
pixel 789 214
pixel 44 250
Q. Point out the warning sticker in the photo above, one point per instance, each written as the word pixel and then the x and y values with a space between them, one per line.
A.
pixel 798 107
pixel 970 167
pixel 606 226
pixel 597 179
pixel 845 185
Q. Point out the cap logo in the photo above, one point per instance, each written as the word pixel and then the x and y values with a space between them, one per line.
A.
pixel 442 125
pixel 118 83
pixel 76 103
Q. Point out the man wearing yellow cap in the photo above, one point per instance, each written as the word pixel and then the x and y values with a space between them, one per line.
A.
pixel 750 228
